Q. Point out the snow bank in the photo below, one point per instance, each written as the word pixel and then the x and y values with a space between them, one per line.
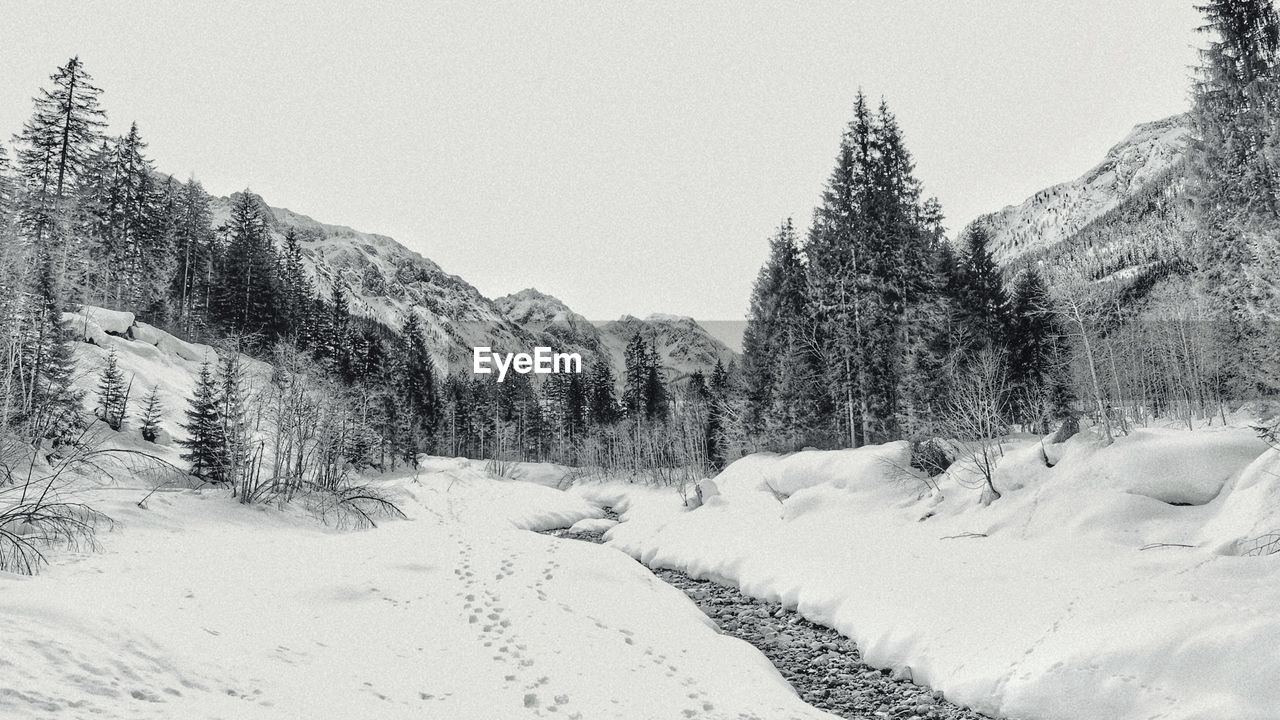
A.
pixel 1043 605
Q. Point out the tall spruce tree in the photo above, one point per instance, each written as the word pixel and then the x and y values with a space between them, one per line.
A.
pixel 247 288
pixel 205 442
pixel 602 403
pixel 775 320
pixel 868 257
pixel 1035 362
pixel 983 300
pixel 1235 186
pixel 193 247
pixel 52 403
pixel 54 149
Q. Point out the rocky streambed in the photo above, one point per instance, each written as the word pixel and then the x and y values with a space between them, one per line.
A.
pixel 823 666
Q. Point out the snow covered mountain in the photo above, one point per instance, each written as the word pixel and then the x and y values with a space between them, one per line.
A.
pixel 683 345
pixel 1122 221
pixel 384 279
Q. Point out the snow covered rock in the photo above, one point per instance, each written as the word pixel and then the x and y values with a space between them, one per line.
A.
pixel 592 525
pixel 115 322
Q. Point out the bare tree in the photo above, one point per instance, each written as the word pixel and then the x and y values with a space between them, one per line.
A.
pixel 974 416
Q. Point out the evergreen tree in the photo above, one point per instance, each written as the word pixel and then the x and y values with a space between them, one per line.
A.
pixel 152 412
pixel 636 385
pixel 416 388
pixel 54 148
pixel 1234 188
pixel 205 444
pixel 774 325
pixel 1034 361
pixel 233 411
pixel 193 246
pixel 867 260
pixel 295 287
pixel 982 299
pixel 8 196
pixel 656 402
pixel 113 394
pixel 53 405
pixel 602 404
pixel 246 290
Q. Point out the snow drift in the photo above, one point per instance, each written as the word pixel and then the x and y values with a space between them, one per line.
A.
pixel 1109 585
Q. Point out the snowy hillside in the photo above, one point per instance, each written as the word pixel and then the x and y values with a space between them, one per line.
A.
pixel 384 279
pixel 1149 156
pixel 683 345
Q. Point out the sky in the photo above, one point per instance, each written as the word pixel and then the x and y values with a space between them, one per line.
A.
pixel 628 158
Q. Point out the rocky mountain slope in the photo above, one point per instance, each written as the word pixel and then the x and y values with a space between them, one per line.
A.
pixel 683 345
pixel 1123 222
pixel 384 280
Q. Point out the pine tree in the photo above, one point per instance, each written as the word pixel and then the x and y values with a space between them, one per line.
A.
pixel 635 387
pixel 246 289
pixel 193 246
pixel 233 411
pixel 1034 352
pixel 54 148
pixel 416 387
pixel 205 442
pixel 8 196
pixel 295 287
pixel 774 324
pixel 53 404
pixel 152 412
pixel 113 394
pixel 1235 187
pixel 602 404
pixel 136 243
pixel 982 299
pixel 867 260
pixel 655 403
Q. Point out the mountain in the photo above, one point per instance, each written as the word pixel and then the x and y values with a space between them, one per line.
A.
pixel 551 322
pixel 1123 223
pixel 383 279
pixel 683 345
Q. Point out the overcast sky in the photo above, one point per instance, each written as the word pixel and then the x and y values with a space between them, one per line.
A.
pixel 625 157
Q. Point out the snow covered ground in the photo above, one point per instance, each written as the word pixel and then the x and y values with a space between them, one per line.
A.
pixel 198 607
pixel 1043 605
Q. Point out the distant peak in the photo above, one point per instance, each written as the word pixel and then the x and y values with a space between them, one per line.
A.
pixel 668 318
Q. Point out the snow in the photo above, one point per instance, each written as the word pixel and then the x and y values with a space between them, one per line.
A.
pixel 148 357
pixel 592 525
pixel 199 607
pixel 116 322
pixel 1043 605
pixel 1112 585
